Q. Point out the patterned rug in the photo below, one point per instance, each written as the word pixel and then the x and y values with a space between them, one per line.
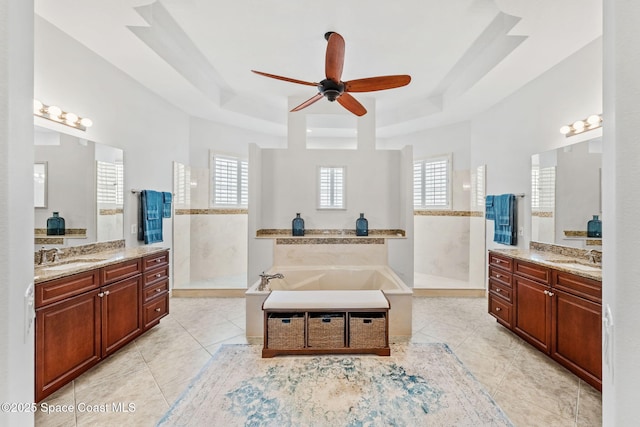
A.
pixel 419 385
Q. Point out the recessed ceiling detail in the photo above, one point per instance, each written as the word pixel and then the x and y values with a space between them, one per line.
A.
pixel 463 56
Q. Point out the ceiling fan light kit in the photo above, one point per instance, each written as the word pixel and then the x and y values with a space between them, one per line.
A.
pixel 333 88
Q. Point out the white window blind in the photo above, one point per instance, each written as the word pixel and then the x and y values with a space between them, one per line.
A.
pixel 431 183
pixel 230 181
pixel 331 186
pixel 543 189
pixel 109 183
pixel 182 185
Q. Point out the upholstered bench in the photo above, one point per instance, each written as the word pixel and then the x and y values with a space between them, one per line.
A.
pixel 323 322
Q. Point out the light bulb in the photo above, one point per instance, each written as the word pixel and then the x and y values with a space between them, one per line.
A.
pixel 565 129
pixel 578 126
pixel 37 106
pixel 54 112
pixel 86 122
pixel 70 118
pixel 594 120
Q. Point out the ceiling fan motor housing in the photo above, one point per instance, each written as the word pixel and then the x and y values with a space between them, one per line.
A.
pixel 330 89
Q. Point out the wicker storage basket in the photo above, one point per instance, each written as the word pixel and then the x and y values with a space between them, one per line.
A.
pixel 367 330
pixel 326 330
pixel 286 331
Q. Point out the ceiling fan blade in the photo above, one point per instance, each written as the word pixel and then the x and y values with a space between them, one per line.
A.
pixel 286 79
pixel 352 104
pixel 335 57
pixel 308 102
pixel 376 83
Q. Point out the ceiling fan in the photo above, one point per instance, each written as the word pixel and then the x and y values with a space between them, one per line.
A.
pixel 333 88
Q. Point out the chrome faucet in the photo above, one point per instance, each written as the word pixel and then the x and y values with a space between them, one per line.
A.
pixel 265 278
pixel 591 256
pixel 42 255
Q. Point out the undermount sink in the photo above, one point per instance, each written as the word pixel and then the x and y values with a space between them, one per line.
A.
pixel 577 265
pixel 71 264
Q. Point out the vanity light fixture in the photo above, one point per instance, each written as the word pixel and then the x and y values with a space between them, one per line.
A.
pixel 579 126
pixel 56 114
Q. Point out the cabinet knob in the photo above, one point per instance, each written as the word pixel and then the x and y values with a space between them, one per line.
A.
pixel 546 292
pixel 106 292
pixel 158 260
pixel 158 290
pixel 498 276
pixel 550 294
pixel 158 275
pixel 498 309
pixel 158 309
pixel 498 290
pixel 101 294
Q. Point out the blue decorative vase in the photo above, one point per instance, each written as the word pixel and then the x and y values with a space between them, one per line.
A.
pixel 297 226
pixel 362 226
pixel 55 225
pixel 594 227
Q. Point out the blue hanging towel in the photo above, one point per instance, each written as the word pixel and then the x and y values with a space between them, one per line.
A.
pixel 166 204
pixel 489 211
pixel 150 216
pixel 505 228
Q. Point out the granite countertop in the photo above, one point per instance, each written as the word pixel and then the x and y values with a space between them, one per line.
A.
pixel 570 264
pixel 86 262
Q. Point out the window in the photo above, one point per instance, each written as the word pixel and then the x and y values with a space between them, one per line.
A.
pixel 432 183
pixel 230 181
pixel 110 183
pixel 543 189
pixel 331 185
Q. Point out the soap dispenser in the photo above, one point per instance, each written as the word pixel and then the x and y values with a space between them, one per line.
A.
pixel 594 227
pixel 297 226
pixel 362 226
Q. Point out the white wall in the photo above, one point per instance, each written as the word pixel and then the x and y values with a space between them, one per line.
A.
pixel 505 136
pixel 152 132
pixel 16 205
pixel 621 205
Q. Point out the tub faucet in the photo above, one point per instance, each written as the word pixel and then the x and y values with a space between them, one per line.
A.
pixel 265 278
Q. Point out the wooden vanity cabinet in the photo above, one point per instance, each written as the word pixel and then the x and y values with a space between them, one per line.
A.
pixel 501 288
pixel 155 304
pixel 532 311
pixel 85 317
pixel 576 332
pixel 67 334
pixel 555 311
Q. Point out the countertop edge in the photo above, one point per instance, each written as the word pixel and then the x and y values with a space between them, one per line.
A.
pixel 107 258
pixel 545 259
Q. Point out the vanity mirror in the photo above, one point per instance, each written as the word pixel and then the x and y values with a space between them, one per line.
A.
pixel 84 183
pixel 566 193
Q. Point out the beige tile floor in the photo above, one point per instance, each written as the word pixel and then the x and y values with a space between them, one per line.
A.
pixel 146 376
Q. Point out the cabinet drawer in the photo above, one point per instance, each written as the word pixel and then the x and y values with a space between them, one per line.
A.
pixel 113 273
pixel 501 261
pixel 532 271
pixel 155 310
pixel 155 260
pixel 155 275
pixel 500 290
pixel 580 286
pixel 155 290
pixel 66 287
pixel 500 276
pixel 500 309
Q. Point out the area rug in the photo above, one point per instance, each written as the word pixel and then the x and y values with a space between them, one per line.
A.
pixel 419 385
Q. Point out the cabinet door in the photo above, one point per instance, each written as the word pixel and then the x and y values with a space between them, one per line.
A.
pixel 67 341
pixel 577 336
pixel 121 313
pixel 533 312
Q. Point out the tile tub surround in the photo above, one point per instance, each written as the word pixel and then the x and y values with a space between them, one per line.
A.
pixel 43 273
pixel 155 369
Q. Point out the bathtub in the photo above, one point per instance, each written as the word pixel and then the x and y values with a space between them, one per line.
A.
pixel 302 278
